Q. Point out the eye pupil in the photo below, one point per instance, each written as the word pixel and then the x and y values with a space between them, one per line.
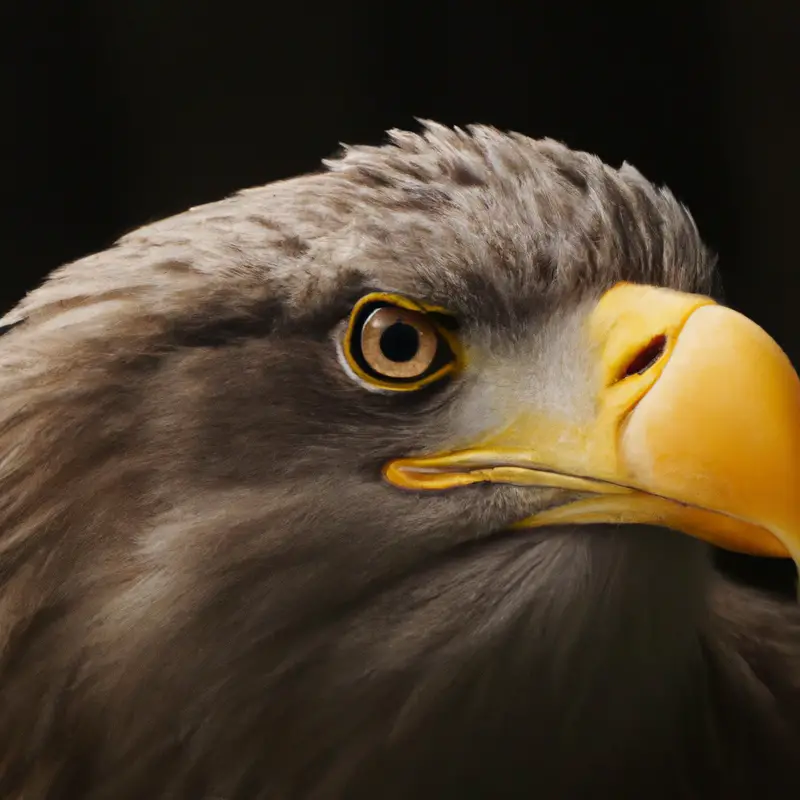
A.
pixel 400 342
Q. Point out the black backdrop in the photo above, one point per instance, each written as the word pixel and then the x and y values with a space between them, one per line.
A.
pixel 118 112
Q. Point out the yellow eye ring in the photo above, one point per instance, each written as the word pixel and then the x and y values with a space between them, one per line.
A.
pixel 394 344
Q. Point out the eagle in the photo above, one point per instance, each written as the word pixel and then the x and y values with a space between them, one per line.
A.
pixel 398 480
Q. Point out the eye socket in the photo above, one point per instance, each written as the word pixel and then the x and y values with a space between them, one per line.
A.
pixel 393 344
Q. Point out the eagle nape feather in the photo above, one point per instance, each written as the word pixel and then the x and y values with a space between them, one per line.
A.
pixel 402 479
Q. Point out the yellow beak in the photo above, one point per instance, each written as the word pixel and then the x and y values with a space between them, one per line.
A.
pixel 696 427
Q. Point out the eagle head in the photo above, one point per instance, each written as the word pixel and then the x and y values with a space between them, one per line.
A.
pixel 397 480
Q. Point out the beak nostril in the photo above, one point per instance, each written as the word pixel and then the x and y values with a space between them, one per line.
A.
pixel 646 357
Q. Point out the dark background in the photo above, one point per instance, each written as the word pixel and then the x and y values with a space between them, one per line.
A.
pixel 116 112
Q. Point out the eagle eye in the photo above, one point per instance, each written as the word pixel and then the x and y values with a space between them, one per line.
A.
pixel 394 344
